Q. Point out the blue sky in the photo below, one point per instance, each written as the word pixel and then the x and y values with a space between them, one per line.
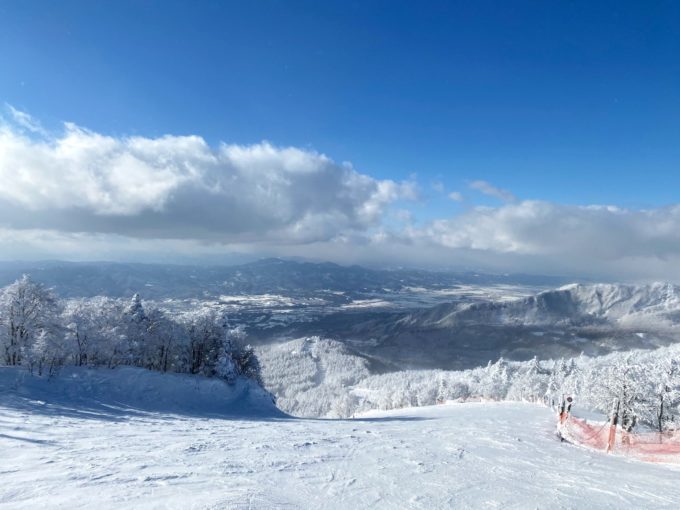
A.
pixel 571 103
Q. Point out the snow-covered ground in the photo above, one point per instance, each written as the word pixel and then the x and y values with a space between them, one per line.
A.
pixel 57 451
pixel 266 311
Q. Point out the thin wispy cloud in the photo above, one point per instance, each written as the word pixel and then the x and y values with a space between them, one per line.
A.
pixel 493 191
pixel 25 121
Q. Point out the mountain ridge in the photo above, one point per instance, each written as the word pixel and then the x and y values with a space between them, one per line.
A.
pixel 272 275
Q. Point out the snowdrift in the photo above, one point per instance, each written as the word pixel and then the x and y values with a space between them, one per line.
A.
pixel 125 390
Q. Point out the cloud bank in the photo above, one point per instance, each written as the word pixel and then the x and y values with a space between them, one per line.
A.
pixel 80 194
pixel 543 228
pixel 179 187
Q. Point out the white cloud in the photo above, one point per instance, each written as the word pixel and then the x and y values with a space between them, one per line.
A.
pixel 544 228
pixel 81 195
pixel 180 187
pixel 531 236
pixel 24 120
pixel 538 236
pixel 489 189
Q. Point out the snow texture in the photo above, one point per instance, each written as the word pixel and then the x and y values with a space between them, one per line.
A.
pixel 68 445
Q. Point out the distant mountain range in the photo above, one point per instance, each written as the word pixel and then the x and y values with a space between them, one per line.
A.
pixel 267 276
pixel 467 331
pixel 650 306
pixel 594 319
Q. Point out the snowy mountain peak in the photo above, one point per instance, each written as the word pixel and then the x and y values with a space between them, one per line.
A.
pixel 622 302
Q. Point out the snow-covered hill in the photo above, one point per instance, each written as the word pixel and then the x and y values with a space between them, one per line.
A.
pixel 311 376
pixel 654 305
pixel 454 456
pixel 122 391
pixel 595 319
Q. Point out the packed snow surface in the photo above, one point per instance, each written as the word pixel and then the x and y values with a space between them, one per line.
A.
pixel 64 449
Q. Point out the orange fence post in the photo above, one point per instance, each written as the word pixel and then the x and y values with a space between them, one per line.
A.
pixel 612 438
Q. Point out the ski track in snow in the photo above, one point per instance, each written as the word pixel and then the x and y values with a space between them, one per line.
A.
pixel 453 456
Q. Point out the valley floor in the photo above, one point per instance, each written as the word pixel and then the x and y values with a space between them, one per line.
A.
pixel 453 456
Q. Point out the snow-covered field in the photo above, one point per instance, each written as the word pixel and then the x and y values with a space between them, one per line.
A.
pixel 58 451
pixel 268 311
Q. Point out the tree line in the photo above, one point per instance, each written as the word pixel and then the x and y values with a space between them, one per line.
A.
pixel 320 377
pixel 637 387
pixel 43 333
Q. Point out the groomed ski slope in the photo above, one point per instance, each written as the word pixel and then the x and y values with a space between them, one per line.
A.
pixel 57 451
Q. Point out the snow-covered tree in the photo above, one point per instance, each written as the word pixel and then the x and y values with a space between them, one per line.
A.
pixel 94 331
pixel 206 334
pixel 27 311
pixel 442 390
pixel 495 381
pixel 136 325
pixel 555 385
pixel 529 383
pixel 662 392
pixel 247 362
pixel 617 386
pixel 216 349
pixel 47 353
pixel 345 405
pixel 162 338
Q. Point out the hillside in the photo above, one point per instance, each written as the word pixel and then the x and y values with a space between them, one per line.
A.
pixel 594 319
pixel 652 305
pixel 111 394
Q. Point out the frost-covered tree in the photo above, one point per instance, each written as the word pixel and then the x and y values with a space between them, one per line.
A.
pixel 494 383
pixel 529 382
pixel 618 387
pixel 47 353
pixel 556 382
pixel 136 324
pixel 345 405
pixel 662 392
pixel 459 390
pixel 41 332
pixel 248 363
pixel 162 340
pixel 442 390
pixel 573 380
pixel 27 311
pixel 79 325
pixel 206 334
pixel 94 331
pixel 214 348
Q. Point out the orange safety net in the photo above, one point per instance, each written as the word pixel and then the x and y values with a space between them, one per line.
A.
pixel 647 446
